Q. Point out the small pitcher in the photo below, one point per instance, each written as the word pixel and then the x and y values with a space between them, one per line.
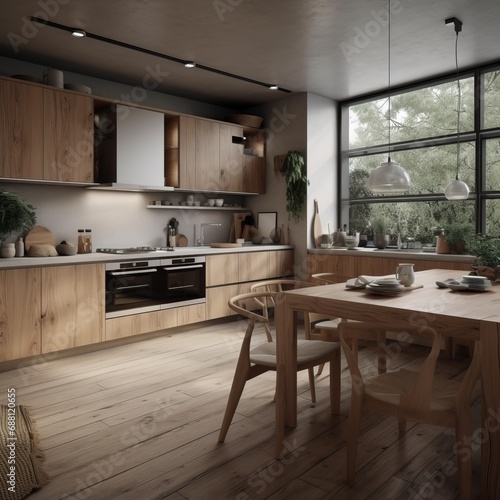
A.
pixel 405 274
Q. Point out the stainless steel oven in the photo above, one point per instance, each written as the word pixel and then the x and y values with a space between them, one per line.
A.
pixel 149 285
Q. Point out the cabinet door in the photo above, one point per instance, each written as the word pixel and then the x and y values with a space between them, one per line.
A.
pixel 217 299
pixel 342 265
pixel 126 326
pixel 191 314
pixel 281 263
pixel 231 158
pixel 207 155
pixel 72 306
pixel 21 131
pixel 254 266
pixel 20 312
pixel 222 269
pixel 254 178
pixel 68 137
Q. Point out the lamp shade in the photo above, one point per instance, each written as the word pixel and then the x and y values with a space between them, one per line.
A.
pixel 456 190
pixel 389 177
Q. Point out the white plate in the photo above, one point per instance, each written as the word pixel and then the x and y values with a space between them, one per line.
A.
pixel 475 279
pixel 384 290
pixel 468 288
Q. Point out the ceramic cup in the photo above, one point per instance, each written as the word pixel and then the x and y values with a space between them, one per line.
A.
pixel 405 274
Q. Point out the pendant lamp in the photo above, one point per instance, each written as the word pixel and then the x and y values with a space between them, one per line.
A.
pixel 457 189
pixel 389 177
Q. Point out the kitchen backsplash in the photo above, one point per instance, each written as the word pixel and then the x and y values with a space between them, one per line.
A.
pixel 120 219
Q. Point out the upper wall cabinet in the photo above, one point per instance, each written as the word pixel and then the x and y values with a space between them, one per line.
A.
pixel 129 146
pixel 45 134
pixel 206 155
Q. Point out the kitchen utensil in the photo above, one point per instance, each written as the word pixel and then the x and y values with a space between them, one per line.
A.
pixel 224 245
pixel 317 229
pixel 39 235
pixel 238 219
pixel 181 240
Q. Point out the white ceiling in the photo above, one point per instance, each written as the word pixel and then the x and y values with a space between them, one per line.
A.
pixel 334 48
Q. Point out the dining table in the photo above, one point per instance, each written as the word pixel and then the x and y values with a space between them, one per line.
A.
pixel 464 313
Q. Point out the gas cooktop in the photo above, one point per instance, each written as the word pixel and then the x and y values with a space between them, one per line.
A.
pixel 131 250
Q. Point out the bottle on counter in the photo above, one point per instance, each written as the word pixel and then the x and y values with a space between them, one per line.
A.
pixel 81 241
pixel 88 241
pixel 19 247
pixel 171 237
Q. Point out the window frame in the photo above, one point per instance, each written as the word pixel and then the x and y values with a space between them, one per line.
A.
pixel 478 135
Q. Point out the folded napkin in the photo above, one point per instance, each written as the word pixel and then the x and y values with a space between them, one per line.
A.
pixel 363 280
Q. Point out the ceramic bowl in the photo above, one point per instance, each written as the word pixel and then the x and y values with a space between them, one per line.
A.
pixel 211 202
pixel 350 241
pixel 219 202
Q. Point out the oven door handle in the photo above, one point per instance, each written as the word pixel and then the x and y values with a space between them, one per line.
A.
pixel 138 271
pixel 130 287
pixel 180 268
pixel 180 287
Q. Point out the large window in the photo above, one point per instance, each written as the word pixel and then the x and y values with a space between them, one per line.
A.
pixel 424 140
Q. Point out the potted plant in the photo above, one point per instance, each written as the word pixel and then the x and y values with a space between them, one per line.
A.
pixel 486 249
pixel 294 171
pixel 380 232
pixel 456 234
pixel 16 215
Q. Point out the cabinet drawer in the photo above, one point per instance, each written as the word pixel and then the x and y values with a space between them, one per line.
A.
pixel 222 269
pixel 117 328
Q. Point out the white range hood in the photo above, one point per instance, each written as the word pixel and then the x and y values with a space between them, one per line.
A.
pixel 130 149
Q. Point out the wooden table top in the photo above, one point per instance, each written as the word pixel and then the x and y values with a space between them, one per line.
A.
pixel 441 307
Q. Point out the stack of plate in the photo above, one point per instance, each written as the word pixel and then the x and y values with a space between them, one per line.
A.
pixel 472 283
pixel 385 286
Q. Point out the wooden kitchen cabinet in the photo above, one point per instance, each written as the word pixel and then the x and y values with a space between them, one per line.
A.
pixel 231 274
pixel 21 130
pixel 72 306
pixel 45 134
pixel 349 266
pixel 68 137
pixel 206 155
pixel 20 313
pixel 343 266
pixel 134 324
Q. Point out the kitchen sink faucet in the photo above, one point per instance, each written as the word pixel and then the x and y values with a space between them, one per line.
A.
pixel 201 239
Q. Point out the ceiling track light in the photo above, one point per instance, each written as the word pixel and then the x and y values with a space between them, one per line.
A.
pixel 389 177
pixel 104 39
pixel 457 189
pixel 190 65
pixel 79 33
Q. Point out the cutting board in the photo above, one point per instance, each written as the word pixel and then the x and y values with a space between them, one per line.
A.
pixel 181 240
pixel 39 235
pixel 224 245
pixel 238 218
pixel 317 228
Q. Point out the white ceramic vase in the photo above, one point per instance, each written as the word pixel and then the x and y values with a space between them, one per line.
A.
pixel 8 250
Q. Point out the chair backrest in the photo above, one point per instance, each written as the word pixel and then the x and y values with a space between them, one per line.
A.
pixel 277 285
pixel 416 402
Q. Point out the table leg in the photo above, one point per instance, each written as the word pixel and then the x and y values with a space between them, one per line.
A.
pixel 286 370
pixel 489 333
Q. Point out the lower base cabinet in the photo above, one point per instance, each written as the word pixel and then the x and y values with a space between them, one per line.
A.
pixel 20 313
pixel 349 266
pixel 135 324
pixel 230 275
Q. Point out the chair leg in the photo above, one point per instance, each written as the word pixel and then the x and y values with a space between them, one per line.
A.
pixel 312 386
pixel 382 353
pixel 335 383
pixel 353 434
pixel 232 403
pixel 320 369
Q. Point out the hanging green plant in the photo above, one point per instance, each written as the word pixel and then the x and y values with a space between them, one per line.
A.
pixel 294 171
pixel 16 215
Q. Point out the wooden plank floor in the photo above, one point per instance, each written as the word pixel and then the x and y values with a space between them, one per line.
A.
pixel 141 421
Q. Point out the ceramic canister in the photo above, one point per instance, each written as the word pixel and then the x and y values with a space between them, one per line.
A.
pixel 53 77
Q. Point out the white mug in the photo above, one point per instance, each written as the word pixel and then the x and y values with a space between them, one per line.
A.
pixel 405 274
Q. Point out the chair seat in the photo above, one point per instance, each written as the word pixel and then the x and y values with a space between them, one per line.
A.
pixel 307 351
pixel 389 387
pixel 330 324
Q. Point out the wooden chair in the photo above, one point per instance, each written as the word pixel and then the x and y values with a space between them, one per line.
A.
pixel 326 328
pixel 254 362
pixel 412 395
pixel 280 285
